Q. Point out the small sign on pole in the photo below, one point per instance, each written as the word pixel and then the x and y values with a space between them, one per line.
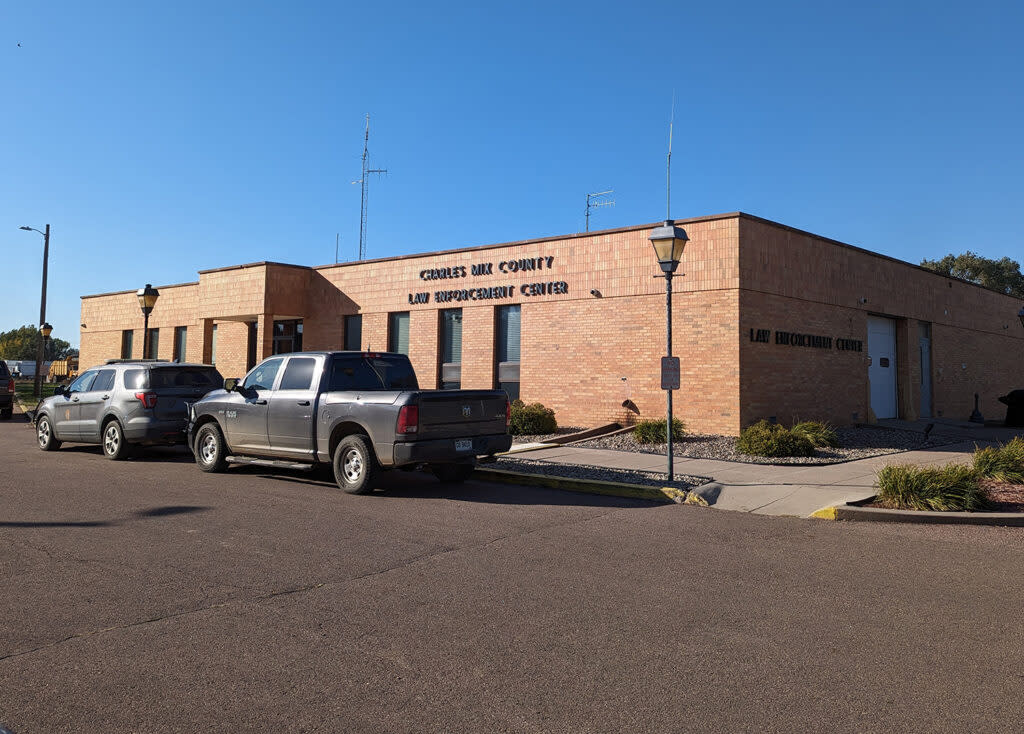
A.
pixel 670 373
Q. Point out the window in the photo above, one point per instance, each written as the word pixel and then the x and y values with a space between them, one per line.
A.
pixel 353 333
pixel 213 345
pixel 104 380
pixel 355 372
pixel 451 349
pixel 180 341
pixel 154 344
pixel 164 377
pixel 398 332
pixel 262 378
pixel 250 353
pixel 83 383
pixel 127 342
pixel 287 336
pixel 298 375
pixel 509 319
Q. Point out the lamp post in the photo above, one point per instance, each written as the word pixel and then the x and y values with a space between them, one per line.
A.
pixel 147 299
pixel 1020 316
pixel 42 306
pixel 668 241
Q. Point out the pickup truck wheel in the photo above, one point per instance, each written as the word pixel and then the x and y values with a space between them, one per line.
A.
pixel 452 473
pixel 355 466
pixel 114 445
pixel 211 453
pixel 44 435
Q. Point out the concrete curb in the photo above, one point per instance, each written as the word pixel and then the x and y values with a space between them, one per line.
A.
pixel 854 513
pixel 589 486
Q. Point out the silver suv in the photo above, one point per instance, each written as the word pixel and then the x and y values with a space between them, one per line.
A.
pixel 124 402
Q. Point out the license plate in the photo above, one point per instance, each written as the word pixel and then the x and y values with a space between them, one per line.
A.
pixel 464 445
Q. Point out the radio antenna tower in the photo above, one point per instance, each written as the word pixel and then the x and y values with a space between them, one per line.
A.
pixel 364 181
pixel 595 201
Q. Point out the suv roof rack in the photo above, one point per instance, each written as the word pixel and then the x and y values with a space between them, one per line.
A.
pixel 129 361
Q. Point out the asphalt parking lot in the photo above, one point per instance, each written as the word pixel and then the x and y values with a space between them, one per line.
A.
pixel 146 596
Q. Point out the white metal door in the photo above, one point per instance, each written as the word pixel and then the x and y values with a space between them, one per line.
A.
pixel 882 371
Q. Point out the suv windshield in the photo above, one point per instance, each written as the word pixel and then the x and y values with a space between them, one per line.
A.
pixel 165 377
pixel 359 372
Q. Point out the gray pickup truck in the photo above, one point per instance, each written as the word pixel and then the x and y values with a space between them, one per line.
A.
pixel 361 412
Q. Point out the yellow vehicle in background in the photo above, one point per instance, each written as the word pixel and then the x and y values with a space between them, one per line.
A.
pixel 63 369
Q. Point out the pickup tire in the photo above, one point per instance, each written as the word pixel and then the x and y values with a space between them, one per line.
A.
pixel 355 465
pixel 210 449
pixel 44 434
pixel 452 473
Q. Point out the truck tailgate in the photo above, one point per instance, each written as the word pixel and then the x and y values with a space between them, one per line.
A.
pixel 454 413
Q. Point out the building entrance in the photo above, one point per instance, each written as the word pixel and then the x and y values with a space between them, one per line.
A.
pixel 882 368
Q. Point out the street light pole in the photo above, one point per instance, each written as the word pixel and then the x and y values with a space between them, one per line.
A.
pixel 668 352
pixel 42 309
pixel 147 299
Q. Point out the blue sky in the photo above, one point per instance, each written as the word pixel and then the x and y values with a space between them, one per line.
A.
pixel 161 139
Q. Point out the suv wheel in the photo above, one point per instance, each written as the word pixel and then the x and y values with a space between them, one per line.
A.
pixel 114 445
pixel 211 453
pixel 355 465
pixel 44 434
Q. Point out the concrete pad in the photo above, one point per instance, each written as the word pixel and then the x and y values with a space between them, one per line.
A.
pixel 518 448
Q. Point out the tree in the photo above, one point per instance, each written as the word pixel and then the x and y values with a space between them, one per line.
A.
pixel 1000 275
pixel 23 343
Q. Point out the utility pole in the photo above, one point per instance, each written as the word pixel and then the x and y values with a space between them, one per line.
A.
pixel 40 353
pixel 365 184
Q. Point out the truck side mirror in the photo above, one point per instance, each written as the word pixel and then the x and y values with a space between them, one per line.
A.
pixel 231 384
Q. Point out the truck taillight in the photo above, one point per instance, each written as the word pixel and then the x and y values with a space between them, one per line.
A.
pixel 10 385
pixel 408 419
pixel 508 414
pixel 148 399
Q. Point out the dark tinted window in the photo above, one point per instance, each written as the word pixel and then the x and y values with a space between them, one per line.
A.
pixel 298 375
pixel 4 372
pixel 104 380
pixel 166 377
pixel 372 373
pixel 136 379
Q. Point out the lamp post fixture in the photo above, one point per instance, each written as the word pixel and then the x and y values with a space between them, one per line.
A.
pixel 42 306
pixel 147 299
pixel 1020 316
pixel 668 241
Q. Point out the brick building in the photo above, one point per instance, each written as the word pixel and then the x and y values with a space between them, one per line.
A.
pixel 768 321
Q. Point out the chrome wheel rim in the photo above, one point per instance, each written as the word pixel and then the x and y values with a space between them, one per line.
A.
pixel 208 448
pixel 352 465
pixel 43 432
pixel 111 440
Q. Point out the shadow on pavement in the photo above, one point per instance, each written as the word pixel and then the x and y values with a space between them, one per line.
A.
pixel 166 511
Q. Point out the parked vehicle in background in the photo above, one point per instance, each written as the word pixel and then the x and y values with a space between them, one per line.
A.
pixel 124 403
pixel 6 392
pixel 63 369
pixel 360 412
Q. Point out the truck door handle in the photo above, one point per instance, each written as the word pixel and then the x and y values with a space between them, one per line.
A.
pixel 74 400
pixel 259 402
pixel 105 397
pixel 303 402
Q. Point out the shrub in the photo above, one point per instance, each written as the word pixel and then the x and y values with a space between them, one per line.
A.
pixel 1005 463
pixel 770 439
pixel 819 434
pixel 654 431
pixel 531 420
pixel 949 488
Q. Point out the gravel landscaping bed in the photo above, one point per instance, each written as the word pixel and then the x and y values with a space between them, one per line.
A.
pixel 572 471
pixel 857 443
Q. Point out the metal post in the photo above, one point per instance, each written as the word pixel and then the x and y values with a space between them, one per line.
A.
pixel 668 423
pixel 145 334
pixel 40 355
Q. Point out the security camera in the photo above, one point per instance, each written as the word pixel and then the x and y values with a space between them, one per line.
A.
pixel 595 293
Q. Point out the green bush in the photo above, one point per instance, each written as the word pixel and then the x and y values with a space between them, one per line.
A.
pixel 531 420
pixel 949 488
pixel 819 434
pixel 770 439
pixel 1005 463
pixel 654 431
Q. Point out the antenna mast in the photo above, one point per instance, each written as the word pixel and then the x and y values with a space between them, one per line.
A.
pixel 668 172
pixel 365 185
pixel 597 202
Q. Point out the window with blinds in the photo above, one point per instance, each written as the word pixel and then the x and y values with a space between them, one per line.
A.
pixel 127 342
pixel 180 343
pixel 154 344
pixel 507 345
pixel 353 333
pixel 451 348
pixel 398 332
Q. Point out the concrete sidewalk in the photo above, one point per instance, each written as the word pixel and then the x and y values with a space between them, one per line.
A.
pixel 766 489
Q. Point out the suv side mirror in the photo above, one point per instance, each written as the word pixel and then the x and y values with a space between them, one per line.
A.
pixel 59 390
pixel 231 384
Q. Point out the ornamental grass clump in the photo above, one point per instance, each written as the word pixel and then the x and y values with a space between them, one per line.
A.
pixel 819 434
pixel 1003 463
pixel 655 431
pixel 531 420
pixel 773 440
pixel 951 488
